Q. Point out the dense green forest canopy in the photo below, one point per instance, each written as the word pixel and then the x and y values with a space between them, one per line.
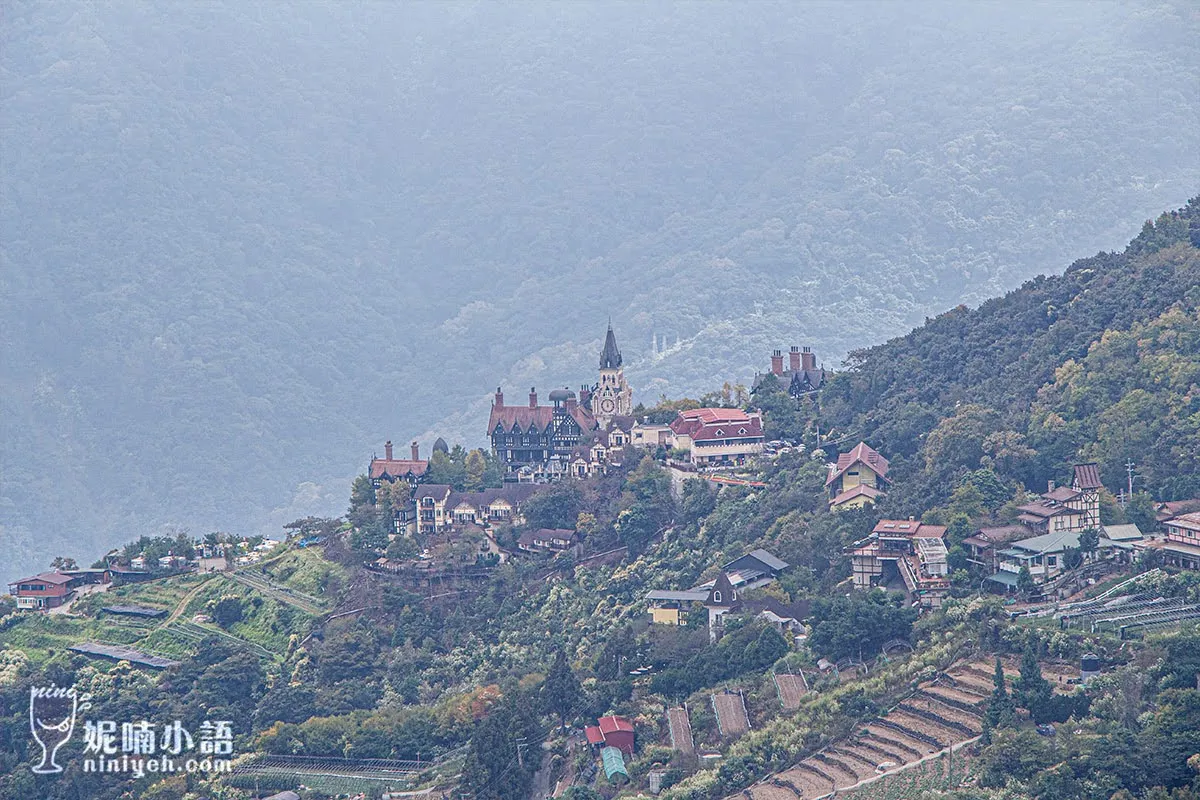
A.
pixel 1099 364
pixel 244 244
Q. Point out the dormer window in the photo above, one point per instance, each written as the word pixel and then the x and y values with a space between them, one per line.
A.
pixel 717 596
pixel 720 432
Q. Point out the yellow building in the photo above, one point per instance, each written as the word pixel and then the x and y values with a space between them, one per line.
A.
pixel 858 478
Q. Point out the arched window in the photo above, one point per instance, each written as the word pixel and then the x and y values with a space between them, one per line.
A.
pixel 717 596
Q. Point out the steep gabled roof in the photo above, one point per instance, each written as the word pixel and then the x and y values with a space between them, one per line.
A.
pixel 861 454
pixel 523 417
pixel 610 356
pixel 1087 476
pixel 396 468
pixel 725 587
pixel 438 491
pixel 859 489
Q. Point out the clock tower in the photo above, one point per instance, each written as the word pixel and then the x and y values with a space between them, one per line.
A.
pixel 612 397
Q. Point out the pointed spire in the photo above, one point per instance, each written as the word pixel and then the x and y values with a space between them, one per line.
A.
pixel 610 356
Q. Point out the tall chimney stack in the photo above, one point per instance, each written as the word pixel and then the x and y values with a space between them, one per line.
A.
pixel 808 358
pixel 794 358
pixel 387 450
pixel 416 452
pixel 533 397
pixel 777 362
pixel 499 401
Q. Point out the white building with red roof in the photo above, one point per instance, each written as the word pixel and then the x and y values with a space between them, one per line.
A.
pixel 858 478
pixel 718 436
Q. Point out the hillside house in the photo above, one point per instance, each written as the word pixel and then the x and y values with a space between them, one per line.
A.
pixel 547 540
pixel 390 470
pixel 1044 556
pixel 802 376
pixel 650 435
pixel 1181 546
pixel 720 596
pixel 718 436
pixel 981 546
pixel 1065 509
pixel 1174 508
pixel 611 731
pixel 908 549
pixel 857 479
pixel 437 507
pixel 44 591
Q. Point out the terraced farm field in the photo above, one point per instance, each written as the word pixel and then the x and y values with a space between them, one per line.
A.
pixel 791 688
pixel 731 714
pixel 681 730
pixel 943 713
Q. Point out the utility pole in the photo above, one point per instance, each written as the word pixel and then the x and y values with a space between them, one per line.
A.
pixel 1129 465
pixel 520 743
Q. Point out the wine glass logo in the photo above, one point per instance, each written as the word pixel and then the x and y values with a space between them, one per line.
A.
pixel 52 711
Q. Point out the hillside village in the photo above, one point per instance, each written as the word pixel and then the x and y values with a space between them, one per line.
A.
pixel 752 594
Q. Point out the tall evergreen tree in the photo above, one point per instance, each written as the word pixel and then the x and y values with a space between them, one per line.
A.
pixel 561 692
pixel 1000 708
pixel 1032 690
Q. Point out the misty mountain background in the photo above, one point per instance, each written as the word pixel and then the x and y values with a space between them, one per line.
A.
pixel 244 243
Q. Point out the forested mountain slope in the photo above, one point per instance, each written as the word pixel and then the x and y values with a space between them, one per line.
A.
pixel 243 244
pixel 1100 363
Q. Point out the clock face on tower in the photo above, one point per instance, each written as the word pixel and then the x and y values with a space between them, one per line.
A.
pixel 607 405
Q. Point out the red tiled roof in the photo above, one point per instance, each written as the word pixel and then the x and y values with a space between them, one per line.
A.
pixel 593 734
pixel 855 491
pixel 523 416
pixel 1186 521
pixel 46 577
pixel 396 468
pixel 707 415
pixel 583 417
pixel 1062 494
pixel 614 724
pixel 1173 508
pixel 909 527
pixel 707 424
pixel 861 454
pixel 1087 476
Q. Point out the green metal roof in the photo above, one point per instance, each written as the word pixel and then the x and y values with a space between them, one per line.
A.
pixel 1005 578
pixel 613 761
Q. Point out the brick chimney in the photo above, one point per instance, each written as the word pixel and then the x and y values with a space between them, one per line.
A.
pixel 794 358
pixel 416 452
pixel 533 397
pixel 499 401
pixel 808 359
pixel 387 450
pixel 585 393
pixel 777 362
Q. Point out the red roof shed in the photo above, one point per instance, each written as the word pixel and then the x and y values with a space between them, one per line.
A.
pixel 618 733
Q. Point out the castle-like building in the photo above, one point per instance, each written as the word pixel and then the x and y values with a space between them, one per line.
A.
pixel 575 434
pixel 803 376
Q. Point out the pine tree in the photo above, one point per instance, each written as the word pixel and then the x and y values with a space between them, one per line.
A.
pixel 985 738
pixel 561 692
pixel 1032 689
pixel 1000 708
